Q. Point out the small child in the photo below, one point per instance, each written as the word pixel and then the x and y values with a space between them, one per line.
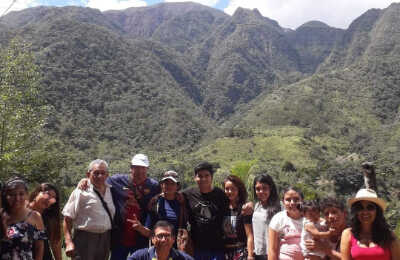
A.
pixel 313 228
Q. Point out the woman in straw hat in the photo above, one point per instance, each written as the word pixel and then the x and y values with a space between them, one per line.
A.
pixel 369 236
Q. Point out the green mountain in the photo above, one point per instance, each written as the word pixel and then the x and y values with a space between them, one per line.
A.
pixel 176 25
pixel 184 82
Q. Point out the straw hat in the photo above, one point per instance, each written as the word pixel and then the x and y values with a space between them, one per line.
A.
pixel 368 195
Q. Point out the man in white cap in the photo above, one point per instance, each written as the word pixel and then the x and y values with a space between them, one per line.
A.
pixel 131 193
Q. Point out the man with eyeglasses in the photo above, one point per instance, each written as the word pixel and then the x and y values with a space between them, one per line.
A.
pixel 163 239
pixel 131 194
pixel 86 213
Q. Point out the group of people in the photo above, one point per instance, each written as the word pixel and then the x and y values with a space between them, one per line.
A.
pixel 138 218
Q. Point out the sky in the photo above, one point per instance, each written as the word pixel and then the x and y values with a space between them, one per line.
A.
pixel 288 13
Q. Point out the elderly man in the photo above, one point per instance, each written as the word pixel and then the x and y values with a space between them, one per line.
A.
pixel 336 218
pixel 90 212
pixel 131 194
pixel 163 239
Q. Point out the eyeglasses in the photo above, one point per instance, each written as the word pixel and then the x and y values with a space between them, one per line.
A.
pixel 98 173
pixel 162 235
pixel 359 207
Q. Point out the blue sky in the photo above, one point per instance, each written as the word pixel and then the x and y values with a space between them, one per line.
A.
pixel 288 13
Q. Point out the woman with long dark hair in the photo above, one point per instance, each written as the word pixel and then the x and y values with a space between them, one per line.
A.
pixel 238 232
pixel 369 236
pixel 267 205
pixel 24 227
pixel 46 200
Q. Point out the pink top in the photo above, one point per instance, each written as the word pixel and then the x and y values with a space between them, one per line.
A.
pixel 368 253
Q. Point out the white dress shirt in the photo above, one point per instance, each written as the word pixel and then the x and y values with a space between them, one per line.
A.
pixel 87 211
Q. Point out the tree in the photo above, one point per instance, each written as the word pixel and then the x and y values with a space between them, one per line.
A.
pixel 22 110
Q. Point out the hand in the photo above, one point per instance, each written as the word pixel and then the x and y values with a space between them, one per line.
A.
pixel 83 184
pixel 247 209
pixel 314 245
pixel 310 244
pixel 70 249
pixel 182 239
pixel 136 225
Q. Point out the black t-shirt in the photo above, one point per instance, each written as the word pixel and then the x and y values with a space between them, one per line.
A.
pixel 233 226
pixel 206 213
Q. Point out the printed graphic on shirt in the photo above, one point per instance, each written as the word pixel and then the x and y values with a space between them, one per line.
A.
pixel 229 226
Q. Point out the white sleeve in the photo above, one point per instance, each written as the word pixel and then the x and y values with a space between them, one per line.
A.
pixel 71 207
pixel 276 222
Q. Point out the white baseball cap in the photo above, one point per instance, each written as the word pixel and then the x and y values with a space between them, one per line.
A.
pixel 140 160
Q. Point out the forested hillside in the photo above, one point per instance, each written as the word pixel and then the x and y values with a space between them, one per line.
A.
pixel 183 83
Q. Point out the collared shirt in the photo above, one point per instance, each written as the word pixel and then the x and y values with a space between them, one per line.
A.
pixel 150 254
pixel 87 211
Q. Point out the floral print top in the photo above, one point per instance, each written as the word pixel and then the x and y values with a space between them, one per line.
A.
pixel 20 243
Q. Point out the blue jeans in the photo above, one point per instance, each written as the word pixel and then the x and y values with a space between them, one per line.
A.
pixel 208 255
pixel 121 252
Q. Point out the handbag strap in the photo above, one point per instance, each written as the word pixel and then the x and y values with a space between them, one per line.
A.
pixel 104 205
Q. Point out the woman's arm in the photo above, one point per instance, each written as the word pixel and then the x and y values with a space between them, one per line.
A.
pixel 3 222
pixel 395 248
pixel 345 244
pixel 56 249
pixel 36 220
pixel 250 240
pixel 273 244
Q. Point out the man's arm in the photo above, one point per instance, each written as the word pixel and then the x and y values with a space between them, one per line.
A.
pixel 69 244
pixel 137 225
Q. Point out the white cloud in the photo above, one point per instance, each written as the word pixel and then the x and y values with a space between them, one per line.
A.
pixel 293 13
pixel 203 2
pixel 18 5
pixel 104 5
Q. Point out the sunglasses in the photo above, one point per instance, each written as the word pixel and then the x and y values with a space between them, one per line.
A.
pixel 359 207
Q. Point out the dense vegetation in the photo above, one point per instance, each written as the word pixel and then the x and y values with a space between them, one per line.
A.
pixel 183 83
